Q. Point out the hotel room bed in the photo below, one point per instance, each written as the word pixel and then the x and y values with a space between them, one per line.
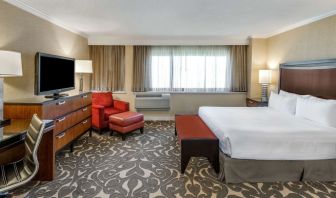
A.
pixel 262 145
pixel 264 134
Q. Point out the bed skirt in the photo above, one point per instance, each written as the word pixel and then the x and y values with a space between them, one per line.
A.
pixel 240 170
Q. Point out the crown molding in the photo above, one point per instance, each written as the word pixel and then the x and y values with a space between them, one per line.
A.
pixel 113 40
pixel 43 15
pixel 295 25
pixel 157 40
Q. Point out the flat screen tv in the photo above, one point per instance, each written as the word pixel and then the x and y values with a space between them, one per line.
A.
pixel 53 74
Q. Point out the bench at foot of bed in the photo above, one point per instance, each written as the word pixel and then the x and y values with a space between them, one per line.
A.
pixel 196 140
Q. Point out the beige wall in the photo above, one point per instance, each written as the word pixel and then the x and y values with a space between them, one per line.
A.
pixel 181 103
pixel 310 42
pixel 23 32
pixel 257 59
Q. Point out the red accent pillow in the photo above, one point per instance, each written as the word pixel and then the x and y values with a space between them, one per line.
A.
pixel 102 98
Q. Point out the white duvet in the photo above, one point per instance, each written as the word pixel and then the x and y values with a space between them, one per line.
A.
pixel 264 134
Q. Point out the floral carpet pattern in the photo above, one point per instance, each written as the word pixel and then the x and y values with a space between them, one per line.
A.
pixel 148 165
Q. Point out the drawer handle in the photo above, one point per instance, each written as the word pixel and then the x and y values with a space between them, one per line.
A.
pixel 60 135
pixel 61 119
pixel 84 96
pixel 84 109
pixel 84 122
pixel 61 102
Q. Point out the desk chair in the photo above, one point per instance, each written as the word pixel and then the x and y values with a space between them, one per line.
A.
pixel 19 173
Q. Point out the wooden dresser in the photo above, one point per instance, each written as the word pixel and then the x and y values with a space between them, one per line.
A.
pixel 71 115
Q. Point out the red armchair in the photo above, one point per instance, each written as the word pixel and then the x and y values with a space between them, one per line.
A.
pixel 103 105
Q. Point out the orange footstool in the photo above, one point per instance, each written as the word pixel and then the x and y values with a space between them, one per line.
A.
pixel 126 122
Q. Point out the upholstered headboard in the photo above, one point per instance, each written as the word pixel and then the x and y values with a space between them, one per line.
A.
pixel 317 78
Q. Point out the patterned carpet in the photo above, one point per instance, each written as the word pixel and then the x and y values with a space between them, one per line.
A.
pixel 148 165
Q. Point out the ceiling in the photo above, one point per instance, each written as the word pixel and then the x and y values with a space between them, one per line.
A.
pixel 138 22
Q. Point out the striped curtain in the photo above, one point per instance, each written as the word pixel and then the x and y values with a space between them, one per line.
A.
pixel 238 64
pixel 108 64
pixel 141 68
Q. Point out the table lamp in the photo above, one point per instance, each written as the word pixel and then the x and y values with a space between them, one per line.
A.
pixel 83 67
pixel 264 80
pixel 10 66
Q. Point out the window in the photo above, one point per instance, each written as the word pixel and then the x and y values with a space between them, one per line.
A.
pixel 190 69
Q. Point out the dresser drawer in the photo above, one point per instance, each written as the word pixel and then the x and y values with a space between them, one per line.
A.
pixel 67 121
pixel 69 135
pixel 58 108
pixel 62 106
pixel 82 127
pixel 63 138
pixel 86 99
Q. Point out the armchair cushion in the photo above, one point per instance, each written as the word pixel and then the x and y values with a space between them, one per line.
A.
pixel 121 105
pixel 102 98
pixel 110 111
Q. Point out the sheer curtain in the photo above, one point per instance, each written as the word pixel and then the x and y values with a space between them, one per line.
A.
pixel 190 68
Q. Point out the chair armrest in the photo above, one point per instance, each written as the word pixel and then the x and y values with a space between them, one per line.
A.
pixel 121 105
pixel 98 116
pixel 97 107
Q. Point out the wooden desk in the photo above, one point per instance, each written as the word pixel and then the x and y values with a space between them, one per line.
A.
pixel 12 147
pixel 71 117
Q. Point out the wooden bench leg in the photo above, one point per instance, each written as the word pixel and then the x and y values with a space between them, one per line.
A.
pixel 141 130
pixel 123 137
pixel 111 132
pixel 185 156
pixel 215 164
pixel 213 156
pixel 184 162
pixel 71 147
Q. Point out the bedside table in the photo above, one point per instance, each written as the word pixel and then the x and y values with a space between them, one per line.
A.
pixel 255 102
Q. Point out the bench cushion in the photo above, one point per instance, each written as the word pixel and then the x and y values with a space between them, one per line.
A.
pixel 192 127
pixel 126 118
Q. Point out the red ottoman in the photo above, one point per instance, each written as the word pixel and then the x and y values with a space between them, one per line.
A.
pixel 126 122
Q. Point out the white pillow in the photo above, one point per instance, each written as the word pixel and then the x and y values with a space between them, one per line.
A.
pixel 282 103
pixel 318 110
pixel 285 93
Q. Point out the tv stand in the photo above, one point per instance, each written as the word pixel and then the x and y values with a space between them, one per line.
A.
pixel 56 96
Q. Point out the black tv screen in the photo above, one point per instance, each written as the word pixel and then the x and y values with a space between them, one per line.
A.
pixel 54 74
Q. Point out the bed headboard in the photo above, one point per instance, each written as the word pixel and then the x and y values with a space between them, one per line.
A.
pixel 317 78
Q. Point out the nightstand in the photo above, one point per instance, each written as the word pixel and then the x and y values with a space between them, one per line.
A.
pixel 255 102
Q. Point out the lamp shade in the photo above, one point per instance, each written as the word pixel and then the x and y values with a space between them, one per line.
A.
pixel 265 76
pixel 83 66
pixel 10 64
